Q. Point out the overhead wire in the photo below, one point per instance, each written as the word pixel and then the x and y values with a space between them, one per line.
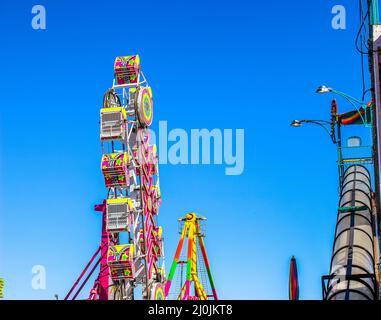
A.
pixel 362 54
pixel 361 44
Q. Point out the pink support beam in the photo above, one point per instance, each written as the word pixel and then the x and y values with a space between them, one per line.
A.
pixel 104 275
pixel 82 274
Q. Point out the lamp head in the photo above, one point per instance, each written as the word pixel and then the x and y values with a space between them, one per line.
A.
pixel 323 89
pixel 296 123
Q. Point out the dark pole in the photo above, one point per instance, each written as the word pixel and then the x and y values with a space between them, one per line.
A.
pixel 374 19
pixel 340 154
pixel 335 122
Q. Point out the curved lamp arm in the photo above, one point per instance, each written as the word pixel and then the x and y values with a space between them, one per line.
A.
pixel 320 123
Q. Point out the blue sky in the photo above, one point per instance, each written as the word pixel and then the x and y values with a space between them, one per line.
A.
pixel 237 65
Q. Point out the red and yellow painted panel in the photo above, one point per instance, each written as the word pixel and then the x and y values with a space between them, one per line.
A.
pixel 120 260
pixel 114 169
pixel 127 69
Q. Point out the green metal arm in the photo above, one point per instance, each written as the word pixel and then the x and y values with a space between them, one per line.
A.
pixel 322 124
pixel 352 101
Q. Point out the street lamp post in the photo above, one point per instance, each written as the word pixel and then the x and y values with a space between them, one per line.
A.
pixel 353 101
pixel 334 133
pixel 364 111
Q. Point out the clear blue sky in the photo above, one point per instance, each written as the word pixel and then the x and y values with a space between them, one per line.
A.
pixel 245 64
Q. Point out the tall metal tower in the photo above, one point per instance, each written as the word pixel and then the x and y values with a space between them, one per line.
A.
pixel 131 251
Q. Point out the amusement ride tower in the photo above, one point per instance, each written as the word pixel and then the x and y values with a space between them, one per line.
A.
pixel 131 250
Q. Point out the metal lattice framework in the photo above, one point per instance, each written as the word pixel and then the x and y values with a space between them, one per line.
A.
pixel 131 250
pixel 198 276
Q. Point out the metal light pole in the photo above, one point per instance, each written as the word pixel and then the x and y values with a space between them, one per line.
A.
pixel 375 71
pixel 333 128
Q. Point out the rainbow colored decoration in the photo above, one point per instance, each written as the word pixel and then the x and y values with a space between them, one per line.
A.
pixel 293 281
pixel 192 289
pixel 145 106
pixel 357 117
pixel 157 292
